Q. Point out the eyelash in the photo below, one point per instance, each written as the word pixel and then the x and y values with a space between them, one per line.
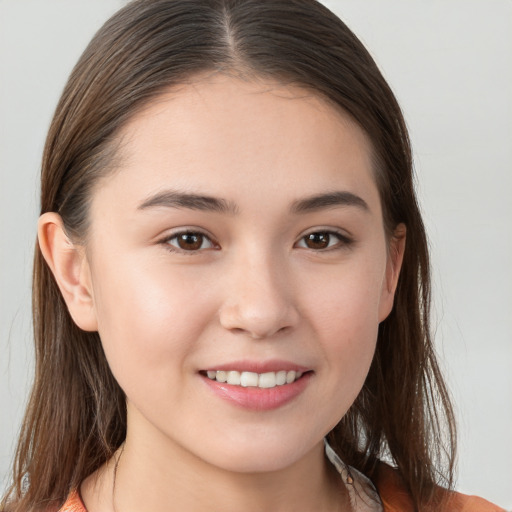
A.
pixel 343 241
pixel 190 233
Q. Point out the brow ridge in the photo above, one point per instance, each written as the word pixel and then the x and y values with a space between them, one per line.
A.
pixel 329 200
pixel 193 201
pixel 176 199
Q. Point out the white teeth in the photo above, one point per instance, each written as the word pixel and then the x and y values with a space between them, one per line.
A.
pixel 221 376
pixel 281 378
pixel 251 379
pixel 234 378
pixel 267 380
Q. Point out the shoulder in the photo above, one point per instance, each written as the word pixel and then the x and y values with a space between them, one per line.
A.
pixel 395 497
pixel 73 504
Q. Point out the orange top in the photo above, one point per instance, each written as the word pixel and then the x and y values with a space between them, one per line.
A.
pixel 395 497
pixel 73 503
pixel 391 490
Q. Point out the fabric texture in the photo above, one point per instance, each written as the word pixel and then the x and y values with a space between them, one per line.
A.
pixel 395 497
pixel 73 503
pixel 361 491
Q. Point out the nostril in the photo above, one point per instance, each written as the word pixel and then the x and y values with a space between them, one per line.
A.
pixel 258 315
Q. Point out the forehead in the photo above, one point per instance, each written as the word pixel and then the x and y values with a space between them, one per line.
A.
pixel 221 135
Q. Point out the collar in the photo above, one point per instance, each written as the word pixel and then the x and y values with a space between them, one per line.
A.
pixel 362 492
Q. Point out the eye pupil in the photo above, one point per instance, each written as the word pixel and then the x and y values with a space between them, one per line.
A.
pixel 190 241
pixel 317 240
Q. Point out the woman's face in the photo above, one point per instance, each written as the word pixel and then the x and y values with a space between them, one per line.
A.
pixel 242 238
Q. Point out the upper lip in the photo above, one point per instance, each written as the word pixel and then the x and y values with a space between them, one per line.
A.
pixel 273 365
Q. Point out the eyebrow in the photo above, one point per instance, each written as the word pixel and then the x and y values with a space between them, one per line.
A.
pixel 329 200
pixel 176 199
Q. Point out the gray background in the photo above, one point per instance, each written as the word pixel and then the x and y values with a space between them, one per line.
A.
pixel 450 64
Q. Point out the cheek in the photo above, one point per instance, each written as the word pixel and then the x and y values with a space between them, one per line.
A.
pixel 350 335
pixel 148 317
pixel 347 299
pixel 345 316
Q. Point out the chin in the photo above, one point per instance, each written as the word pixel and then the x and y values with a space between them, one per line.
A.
pixel 252 455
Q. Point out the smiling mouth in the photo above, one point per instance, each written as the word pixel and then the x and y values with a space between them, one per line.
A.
pixel 256 380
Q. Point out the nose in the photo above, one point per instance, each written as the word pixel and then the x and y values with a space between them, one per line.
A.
pixel 259 299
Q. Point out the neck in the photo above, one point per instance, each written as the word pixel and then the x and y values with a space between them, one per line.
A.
pixel 179 481
pixel 172 479
pixel 154 472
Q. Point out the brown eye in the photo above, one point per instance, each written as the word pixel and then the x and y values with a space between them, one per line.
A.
pixel 320 240
pixel 317 240
pixel 190 241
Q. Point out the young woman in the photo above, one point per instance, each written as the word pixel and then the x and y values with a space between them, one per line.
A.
pixel 231 289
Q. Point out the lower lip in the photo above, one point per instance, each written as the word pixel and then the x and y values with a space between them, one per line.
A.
pixel 258 399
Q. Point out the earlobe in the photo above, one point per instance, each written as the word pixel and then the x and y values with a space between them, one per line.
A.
pixel 70 269
pixel 393 267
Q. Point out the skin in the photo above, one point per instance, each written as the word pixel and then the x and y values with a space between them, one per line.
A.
pixel 254 289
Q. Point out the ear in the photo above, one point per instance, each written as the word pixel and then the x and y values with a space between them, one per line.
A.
pixel 70 268
pixel 394 264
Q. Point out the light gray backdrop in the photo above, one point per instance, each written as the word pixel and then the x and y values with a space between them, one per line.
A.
pixel 450 64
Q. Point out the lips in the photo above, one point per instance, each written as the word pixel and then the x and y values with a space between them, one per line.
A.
pixel 257 386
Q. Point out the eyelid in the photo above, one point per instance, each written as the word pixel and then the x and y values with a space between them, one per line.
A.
pixel 345 240
pixel 164 240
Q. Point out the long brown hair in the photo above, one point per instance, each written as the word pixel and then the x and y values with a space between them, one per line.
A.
pixel 76 416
